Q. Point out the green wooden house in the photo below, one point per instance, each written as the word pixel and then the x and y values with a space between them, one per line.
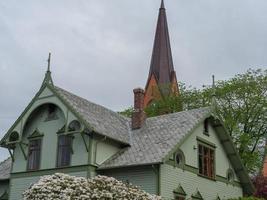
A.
pixel 184 155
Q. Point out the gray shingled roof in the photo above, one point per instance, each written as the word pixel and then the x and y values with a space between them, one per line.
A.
pixel 101 119
pixel 157 138
pixel 5 169
pixel 150 144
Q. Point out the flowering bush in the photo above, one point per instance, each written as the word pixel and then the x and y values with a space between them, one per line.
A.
pixel 63 186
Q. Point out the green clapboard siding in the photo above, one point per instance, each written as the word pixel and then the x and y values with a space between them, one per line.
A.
pixel 19 185
pixel 171 177
pixel 144 177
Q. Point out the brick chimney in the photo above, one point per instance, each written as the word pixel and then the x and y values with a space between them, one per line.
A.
pixel 139 116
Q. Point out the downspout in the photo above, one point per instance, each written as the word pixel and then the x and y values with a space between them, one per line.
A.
pixel 156 169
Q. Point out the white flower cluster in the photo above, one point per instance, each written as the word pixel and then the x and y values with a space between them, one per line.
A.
pixel 63 186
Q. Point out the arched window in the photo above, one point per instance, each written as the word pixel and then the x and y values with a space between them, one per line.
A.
pixel 74 126
pixel 179 158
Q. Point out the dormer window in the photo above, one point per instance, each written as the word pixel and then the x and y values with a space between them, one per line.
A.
pixel 64 150
pixel 34 154
pixel 206 127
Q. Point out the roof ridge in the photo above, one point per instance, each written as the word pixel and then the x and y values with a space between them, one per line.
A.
pixel 179 112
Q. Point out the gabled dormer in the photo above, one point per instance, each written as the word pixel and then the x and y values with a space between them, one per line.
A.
pixel 58 130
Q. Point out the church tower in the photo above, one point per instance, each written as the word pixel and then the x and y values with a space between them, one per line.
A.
pixel 162 80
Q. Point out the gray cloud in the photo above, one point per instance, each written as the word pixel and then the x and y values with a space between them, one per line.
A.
pixel 101 49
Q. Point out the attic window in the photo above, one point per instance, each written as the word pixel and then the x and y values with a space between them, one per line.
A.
pixel 51 113
pixel 74 126
pixel 206 127
pixel 179 159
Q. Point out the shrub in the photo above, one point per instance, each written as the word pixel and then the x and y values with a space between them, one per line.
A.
pixel 63 186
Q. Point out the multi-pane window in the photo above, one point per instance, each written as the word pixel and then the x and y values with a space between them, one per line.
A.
pixel 206 161
pixel 34 154
pixel 64 150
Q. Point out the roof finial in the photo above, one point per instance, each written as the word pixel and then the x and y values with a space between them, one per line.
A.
pixel 48 78
pixel 48 62
pixel 162 4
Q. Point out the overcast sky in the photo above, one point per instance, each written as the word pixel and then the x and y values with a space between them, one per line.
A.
pixel 101 49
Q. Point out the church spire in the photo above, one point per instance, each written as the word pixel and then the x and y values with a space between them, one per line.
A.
pixel 161 66
pixel 48 78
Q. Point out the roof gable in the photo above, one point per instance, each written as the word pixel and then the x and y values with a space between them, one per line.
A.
pixel 95 117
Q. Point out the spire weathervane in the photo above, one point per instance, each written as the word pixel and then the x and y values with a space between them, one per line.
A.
pixel 48 79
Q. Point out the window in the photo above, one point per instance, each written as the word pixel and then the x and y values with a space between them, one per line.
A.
pixel 179 159
pixel 74 126
pixel 206 127
pixel 14 137
pixel 34 154
pixel 51 113
pixel 206 161
pixel 64 150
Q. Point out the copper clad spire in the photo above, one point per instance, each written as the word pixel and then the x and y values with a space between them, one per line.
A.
pixel 161 62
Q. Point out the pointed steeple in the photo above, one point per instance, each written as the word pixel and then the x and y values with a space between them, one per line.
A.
pixel 162 80
pixel 48 77
pixel 161 65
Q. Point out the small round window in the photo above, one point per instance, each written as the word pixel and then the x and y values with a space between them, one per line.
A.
pixel 74 126
pixel 230 175
pixel 14 136
pixel 179 158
